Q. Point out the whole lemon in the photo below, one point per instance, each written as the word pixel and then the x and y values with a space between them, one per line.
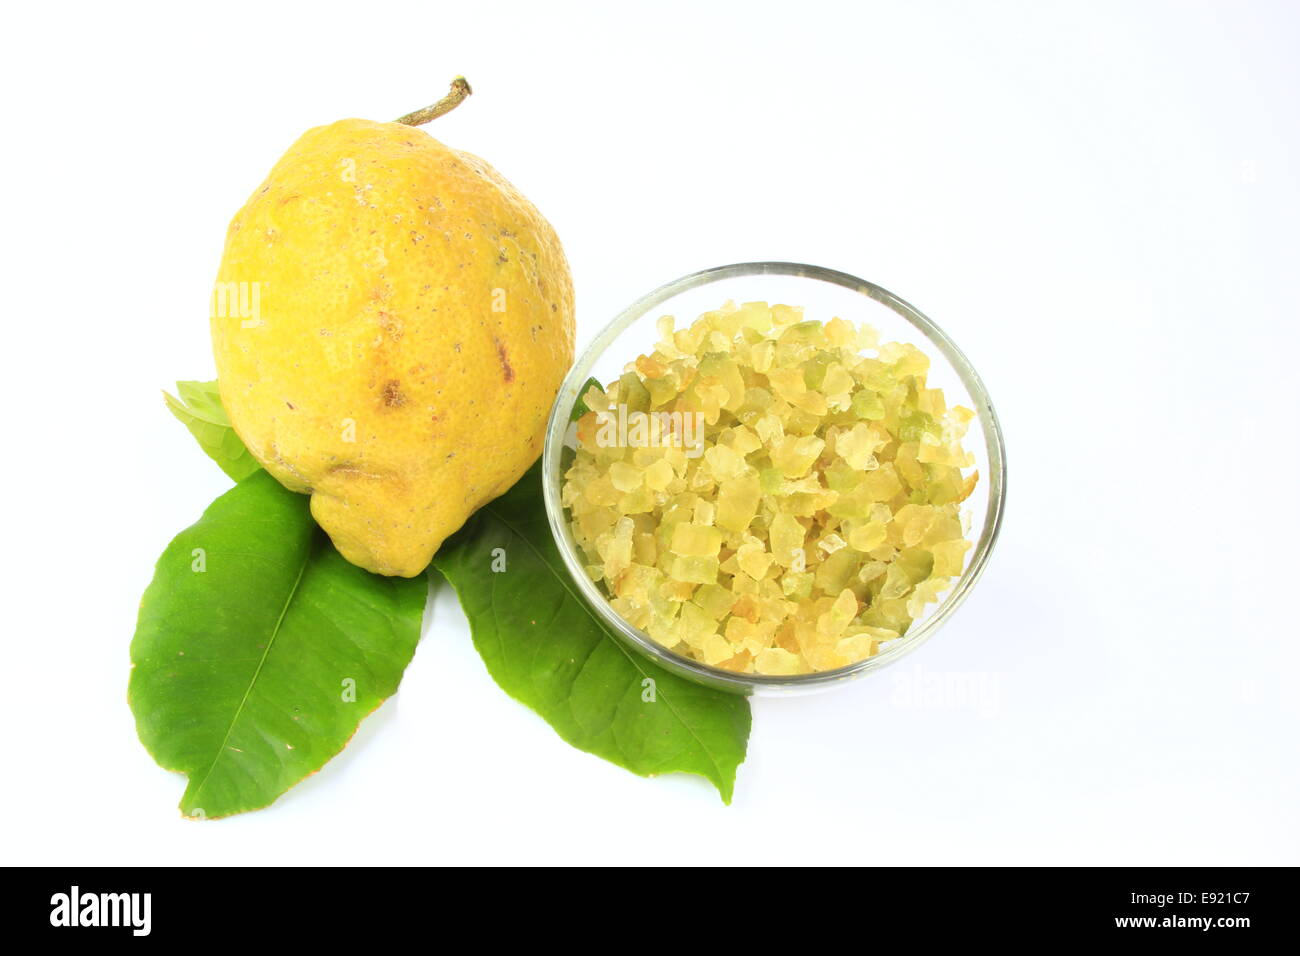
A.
pixel 391 322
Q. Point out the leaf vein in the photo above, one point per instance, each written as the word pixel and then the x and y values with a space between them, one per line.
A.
pixel 275 631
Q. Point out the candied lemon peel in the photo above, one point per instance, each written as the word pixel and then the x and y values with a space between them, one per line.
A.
pixel 771 495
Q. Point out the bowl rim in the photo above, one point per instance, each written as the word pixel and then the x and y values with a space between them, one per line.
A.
pixel 559 422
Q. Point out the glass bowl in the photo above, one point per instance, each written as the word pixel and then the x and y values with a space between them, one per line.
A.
pixel 823 293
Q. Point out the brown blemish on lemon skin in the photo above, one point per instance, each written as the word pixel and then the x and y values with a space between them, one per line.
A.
pixel 393 397
pixel 508 373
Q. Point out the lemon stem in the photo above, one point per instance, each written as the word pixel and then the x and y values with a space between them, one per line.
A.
pixel 459 90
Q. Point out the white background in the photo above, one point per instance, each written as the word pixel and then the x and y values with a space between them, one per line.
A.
pixel 1098 202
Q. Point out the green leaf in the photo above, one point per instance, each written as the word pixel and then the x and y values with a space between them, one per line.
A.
pixel 259 650
pixel 200 410
pixel 546 648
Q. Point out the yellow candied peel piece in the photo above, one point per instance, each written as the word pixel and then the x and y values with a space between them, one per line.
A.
pixel 787 497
